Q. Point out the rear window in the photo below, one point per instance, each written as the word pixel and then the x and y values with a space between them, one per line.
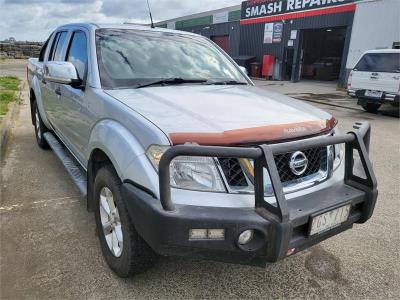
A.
pixel 379 62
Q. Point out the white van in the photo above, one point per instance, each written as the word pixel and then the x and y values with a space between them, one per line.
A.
pixel 376 79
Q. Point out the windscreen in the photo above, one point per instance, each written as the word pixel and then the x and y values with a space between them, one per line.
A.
pixel 379 62
pixel 132 57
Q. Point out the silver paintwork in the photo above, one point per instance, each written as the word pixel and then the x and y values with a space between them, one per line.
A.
pixel 111 222
pixel 60 72
pixel 210 108
pixel 124 123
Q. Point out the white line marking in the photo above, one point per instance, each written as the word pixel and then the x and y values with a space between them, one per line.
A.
pixel 40 203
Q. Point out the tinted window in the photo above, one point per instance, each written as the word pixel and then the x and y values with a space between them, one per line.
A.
pixel 59 46
pixel 379 62
pixel 131 57
pixel 53 45
pixel 43 51
pixel 77 53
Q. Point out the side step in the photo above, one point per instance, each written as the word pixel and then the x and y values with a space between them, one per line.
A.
pixel 77 175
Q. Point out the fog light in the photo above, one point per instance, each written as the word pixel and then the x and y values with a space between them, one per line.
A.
pixel 198 234
pixel 216 234
pixel 206 234
pixel 245 237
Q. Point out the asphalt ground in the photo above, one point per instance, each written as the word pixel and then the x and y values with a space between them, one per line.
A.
pixel 49 247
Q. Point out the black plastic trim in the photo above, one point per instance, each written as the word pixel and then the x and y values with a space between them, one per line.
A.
pixel 167 232
pixel 279 215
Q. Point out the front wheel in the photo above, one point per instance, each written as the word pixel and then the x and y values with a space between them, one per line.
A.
pixel 371 107
pixel 125 252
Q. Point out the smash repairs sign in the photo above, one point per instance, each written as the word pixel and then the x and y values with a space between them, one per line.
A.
pixel 260 11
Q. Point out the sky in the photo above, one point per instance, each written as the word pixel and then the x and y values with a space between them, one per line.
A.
pixel 34 20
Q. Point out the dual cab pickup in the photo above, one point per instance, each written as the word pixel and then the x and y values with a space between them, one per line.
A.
pixel 375 80
pixel 178 153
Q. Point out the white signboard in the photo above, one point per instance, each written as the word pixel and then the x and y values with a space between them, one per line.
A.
pixel 221 17
pixel 268 33
pixel 171 25
pixel 293 34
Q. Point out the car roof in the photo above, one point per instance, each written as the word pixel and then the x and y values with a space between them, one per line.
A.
pixel 94 26
pixel 383 51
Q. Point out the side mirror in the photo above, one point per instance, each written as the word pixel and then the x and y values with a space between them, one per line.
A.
pixel 244 70
pixel 61 72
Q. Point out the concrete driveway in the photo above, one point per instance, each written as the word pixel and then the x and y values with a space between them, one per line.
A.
pixel 49 248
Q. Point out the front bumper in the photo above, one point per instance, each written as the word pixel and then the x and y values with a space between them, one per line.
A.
pixel 279 228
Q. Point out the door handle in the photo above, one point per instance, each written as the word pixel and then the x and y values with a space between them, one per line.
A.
pixel 58 91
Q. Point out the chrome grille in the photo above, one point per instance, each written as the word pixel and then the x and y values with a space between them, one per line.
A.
pixel 233 172
pixel 317 161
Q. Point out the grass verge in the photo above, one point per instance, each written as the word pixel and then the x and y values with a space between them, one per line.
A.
pixel 9 86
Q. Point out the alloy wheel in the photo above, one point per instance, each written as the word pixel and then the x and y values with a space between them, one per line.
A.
pixel 111 222
pixel 37 124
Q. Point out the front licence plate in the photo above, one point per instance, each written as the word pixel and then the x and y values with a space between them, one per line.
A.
pixel 329 220
pixel 373 94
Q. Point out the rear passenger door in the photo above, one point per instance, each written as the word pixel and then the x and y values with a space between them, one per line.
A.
pixel 51 95
pixel 74 118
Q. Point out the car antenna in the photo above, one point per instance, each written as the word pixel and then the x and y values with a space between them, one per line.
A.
pixel 151 17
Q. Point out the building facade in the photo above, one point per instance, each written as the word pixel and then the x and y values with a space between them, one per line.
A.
pixel 307 39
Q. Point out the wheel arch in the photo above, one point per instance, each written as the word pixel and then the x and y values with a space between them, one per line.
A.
pixel 35 94
pixel 110 142
pixel 97 160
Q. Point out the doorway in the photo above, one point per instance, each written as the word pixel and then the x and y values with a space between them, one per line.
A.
pixel 322 53
pixel 288 65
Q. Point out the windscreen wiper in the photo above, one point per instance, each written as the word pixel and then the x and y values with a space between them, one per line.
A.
pixel 226 82
pixel 166 81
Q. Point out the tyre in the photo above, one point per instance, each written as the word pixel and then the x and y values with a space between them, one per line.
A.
pixel 125 252
pixel 40 128
pixel 371 107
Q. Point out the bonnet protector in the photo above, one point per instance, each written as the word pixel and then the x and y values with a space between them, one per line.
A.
pixel 270 133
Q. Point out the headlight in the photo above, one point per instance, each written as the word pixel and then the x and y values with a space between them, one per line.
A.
pixel 191 173
pixel 338 152
pixel 248 167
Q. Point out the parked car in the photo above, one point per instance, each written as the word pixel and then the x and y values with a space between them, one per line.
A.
pixel 325 68
pixel 178 153
pixel 375 79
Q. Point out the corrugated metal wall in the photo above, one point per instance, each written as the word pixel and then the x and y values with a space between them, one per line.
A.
pixel 249 39
pixel 252 36
pixel 231 28
pixel 376 26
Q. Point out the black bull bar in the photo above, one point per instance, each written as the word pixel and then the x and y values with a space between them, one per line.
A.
pixel 357 141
